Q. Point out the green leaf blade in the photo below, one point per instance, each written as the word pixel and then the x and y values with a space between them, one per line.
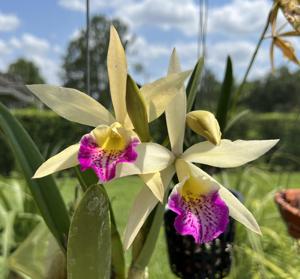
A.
pixel 87 179
pixel 44 190
pixel 193 84
pixel 89 244
pixel 225 97
pixel 136 109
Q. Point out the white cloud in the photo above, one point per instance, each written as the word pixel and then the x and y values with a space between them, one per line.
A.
pixel 57 49
pixel 4 48
pixel 239 17
pixel 34 44
pixel 168 14
pixel 147 51
pixel 232 29
pixel 30 44
pixel 8 22
pixel 233 18
pixel 76 34
pixel 95 5
pixel 15 42
pixel 75 5
pixel 49 67
pixel 240 53
pixel 39 50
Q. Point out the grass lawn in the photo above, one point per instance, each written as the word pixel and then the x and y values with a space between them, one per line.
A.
pixel 274 255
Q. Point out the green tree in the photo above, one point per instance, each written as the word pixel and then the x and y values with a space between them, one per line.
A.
pixel 74 64
pixel 277 92
pixel 26 71
pixel 207 97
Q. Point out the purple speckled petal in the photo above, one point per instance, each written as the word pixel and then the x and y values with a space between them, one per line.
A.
pixel 104 162
pixel 204 217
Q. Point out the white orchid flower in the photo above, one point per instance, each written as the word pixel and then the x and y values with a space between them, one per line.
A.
pixel 202 204
pixel 112 142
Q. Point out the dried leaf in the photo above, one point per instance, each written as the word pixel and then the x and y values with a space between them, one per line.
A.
pixel 273 17
pixel 287 49
pixel 289 34
pixel 272 56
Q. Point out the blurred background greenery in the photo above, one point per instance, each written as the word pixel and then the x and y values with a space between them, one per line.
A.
pixel 274 255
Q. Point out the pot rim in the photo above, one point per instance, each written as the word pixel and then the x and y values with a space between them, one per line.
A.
pixel 284 204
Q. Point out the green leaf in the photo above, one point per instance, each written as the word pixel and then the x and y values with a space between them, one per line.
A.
pixel 39 256
pixel 8 233
pixel 193 84
pixel 225 96
pixel 86 179
pixel 117 257
pixel 44 190
pixel 89 244
pixel 137 110
pixel 236 119
pixel 143 258
pixel 144 244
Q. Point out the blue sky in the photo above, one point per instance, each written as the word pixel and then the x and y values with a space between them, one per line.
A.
pixel 40 31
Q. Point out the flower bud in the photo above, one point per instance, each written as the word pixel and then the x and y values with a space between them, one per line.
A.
pixel 205 124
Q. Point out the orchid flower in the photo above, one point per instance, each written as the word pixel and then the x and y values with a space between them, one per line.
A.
pixel 202 205
pixel 112 142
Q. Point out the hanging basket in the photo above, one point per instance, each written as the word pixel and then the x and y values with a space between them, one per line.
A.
pixel 288 202
pixel 189 260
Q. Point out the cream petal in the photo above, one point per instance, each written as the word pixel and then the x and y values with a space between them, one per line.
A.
pixel 117 73
pixel 238 211
pixel 72 104
pixel 186 170
pixel 227 154
pixel 143 204
pixel 161 92
pixel 176 111
pixel 152 158
pixel 155 184
pixel 63 160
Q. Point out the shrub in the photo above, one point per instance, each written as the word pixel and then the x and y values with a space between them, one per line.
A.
pixel 284 126
pixel 49 131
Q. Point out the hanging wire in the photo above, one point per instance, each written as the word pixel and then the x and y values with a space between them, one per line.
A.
pixel 202 32
pixel 202 27
pixel 88 78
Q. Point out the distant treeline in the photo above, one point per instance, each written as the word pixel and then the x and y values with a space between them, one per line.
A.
pixel 278 92
pixel 52 133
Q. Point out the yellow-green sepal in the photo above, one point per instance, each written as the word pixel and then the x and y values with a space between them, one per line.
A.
pixel 137 111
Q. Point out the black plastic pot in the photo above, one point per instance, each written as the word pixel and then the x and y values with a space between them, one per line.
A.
pixel 192 261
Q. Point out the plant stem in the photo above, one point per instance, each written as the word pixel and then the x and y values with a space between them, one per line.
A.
pixel 242 84
pixel 135 273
